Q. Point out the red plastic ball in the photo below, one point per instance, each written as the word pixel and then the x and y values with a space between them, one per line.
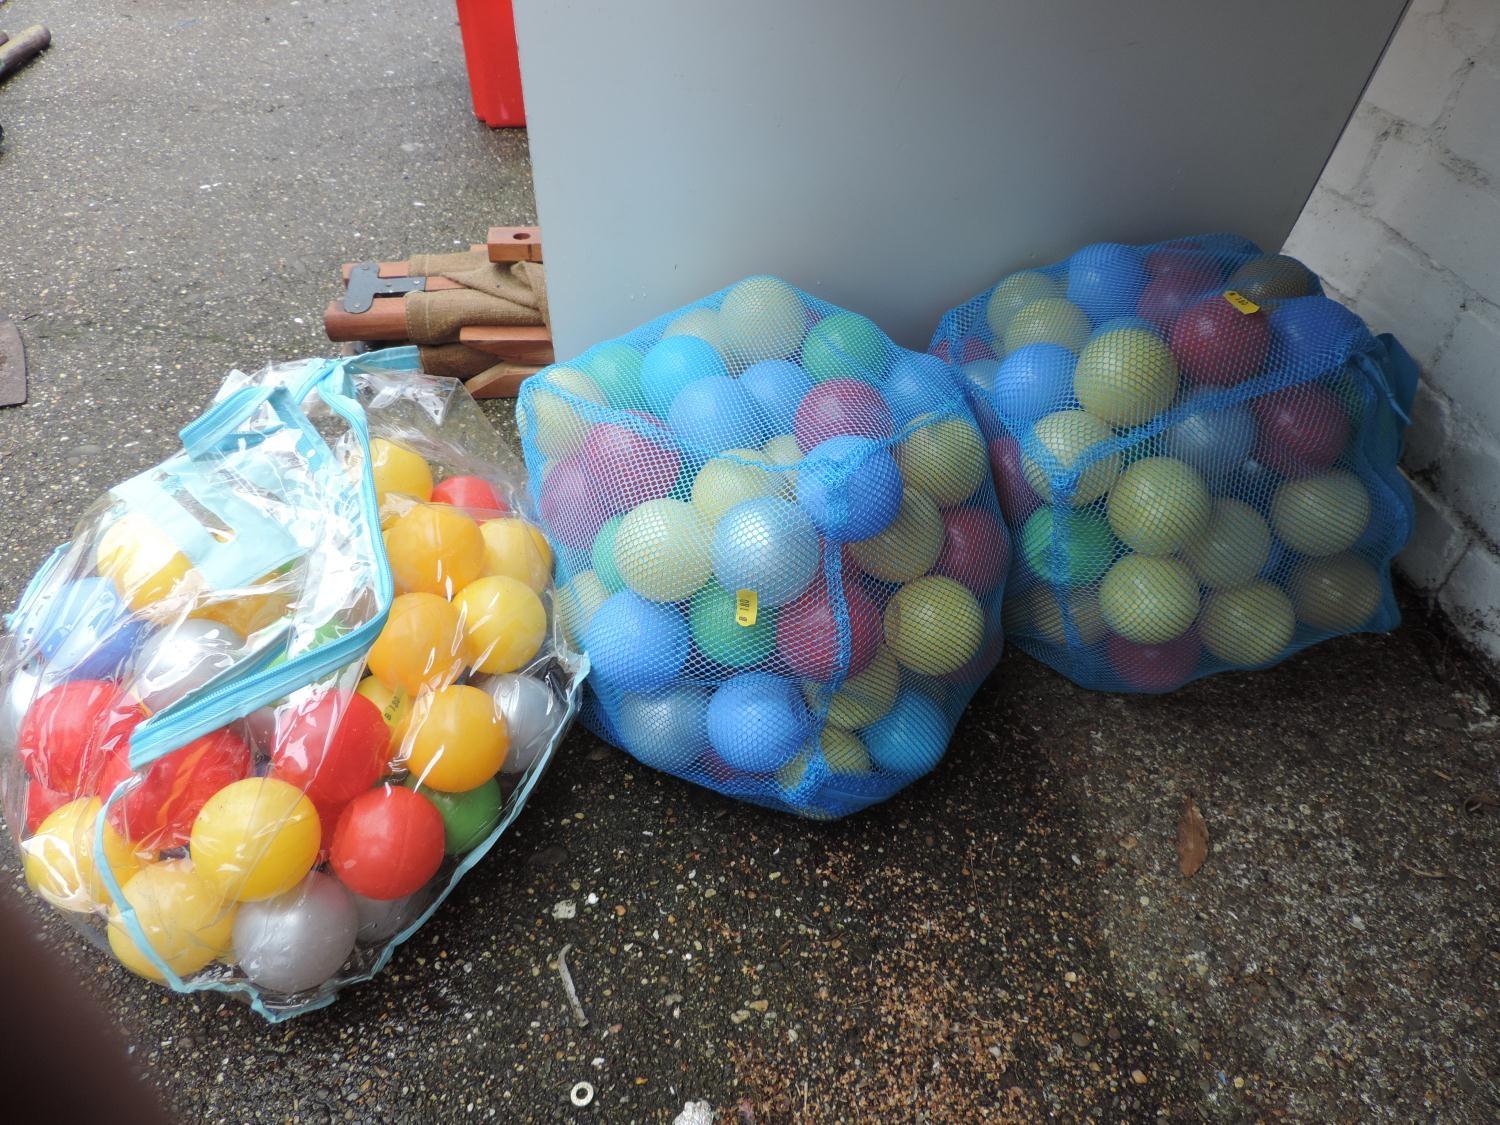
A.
pixel 570 508
pixel 1155 668
pixel 41 803
pixel 1216 344
pixel 841 406
pixel 807 635
pixel 976 549
pixel 328 820
pixel 1164 298
pixel 158 812
pixel 333 747
pixel 628 468
pixel 68 730
pixel 974 348
pixel 473 493
pixel 388 842
pixel 1183 256
pixel 1302 429
pixel 1017 498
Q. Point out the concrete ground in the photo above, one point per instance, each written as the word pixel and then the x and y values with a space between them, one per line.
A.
pixel 1011 937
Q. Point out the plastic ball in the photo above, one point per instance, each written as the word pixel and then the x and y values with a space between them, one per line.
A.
pixel 1013 294
pixel 1070 436
pixel 504 623
pixel 674 363
pixel 474 494
pixel 421 644
pixel 863 697
pixel 1016 496
pixel 434 549
pixel 1249 625
pixel 297 940
pixel 761 318
pixel 1273 277
pixel 58 859
pixel 776 386
pixel 1038 613
pixel 934 625
pixel 1313 335
pixel 602 555
pixel 1212 439
pixel 1338 594
pixel 1049 320
pixel 1106 279
pixel 721 638
pixel 700 322
pixel 69 729
pixel 662 550
pixel 381 919
pixel 1073 550
pixel 808 632
pixel 516 549
pixel 920 384
pixel 331 744
pixel 850 486
pixel 41 803
pixel 1184 256
pixel 843 755
pixel 255 838
pixel 844 345
pixel 399 469
pixel 666 730
pixel 393 703
pixel 1216 345
pixel 458 739
pixel 1149 600
pixel 577 602
pixel 984 373
pixel 767 545
pixel 158 811
pixel 554 411
pixel 532 716
pixel 1164 298
pixel 908 547
pixel 910 738
pixel 468 817
pixel 1125 377
pixel 388 843
pixel 616 370
pixel 1302 429
pixel 944 459
pixel 783 450
pixel 1033 380
pixel 635 644
pixel 715 413
pixel 246 611
pixel 727 481
pixel 183 917
pixel 16 696
pixel 841 406
pixel 1232 548
pixel 142 562
pixel 82 628
pixel 1158 504
pixel 628 467
pixel 757 722
pixel 1321 515
pixel 569 504
pixel 976 549
pixel 181 659
pixel 1155 668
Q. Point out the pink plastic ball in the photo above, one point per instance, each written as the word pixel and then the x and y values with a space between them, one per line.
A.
pixel 976 550
pixel 1164 298
pixel 1155 668
pixel 807 638
pixel 1017 498
pixel 841 406
pixel 627 468
pixel 1302 429
pixel 570 508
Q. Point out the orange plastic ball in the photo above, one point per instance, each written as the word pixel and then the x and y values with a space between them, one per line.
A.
pixel 421 645
pixel 434 549
pixel 458 739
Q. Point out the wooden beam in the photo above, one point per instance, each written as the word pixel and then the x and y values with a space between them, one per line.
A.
pixel 501 381
pixel 515 244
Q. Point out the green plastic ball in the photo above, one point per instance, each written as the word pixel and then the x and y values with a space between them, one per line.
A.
pixel 468 817
pixel 603 555
pixel 720 637
pixel 844 345
pixel 1078 555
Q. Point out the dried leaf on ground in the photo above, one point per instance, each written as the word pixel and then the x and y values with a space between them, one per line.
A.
pixel 1192 838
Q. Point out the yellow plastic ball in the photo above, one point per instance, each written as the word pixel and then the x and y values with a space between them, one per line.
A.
pixel 58 859
pixel 185 920
pixel 1038 613
pixel 400 470
pixel 862 698
pixel 1047 320
pixel 1249 625
pixel 421 645
pixel 255 839
pixel 702 323
pixel 934 625
pixel 577 602
pixel 946 460
pixel 458 740
pixel 1148 600
pixel 1337 594
pixel 559 427
pixel 1321 515
pixel 517 549
pixel 393 703
pixel 504 623
pixel 1232 548
pixel 1158 504
pixel 434 549
pixel 249 613
pixel 662 550
pixel 908 546
pixel 143 563
pixel 1013 294
pixel 723 483
pixel 1126 376
pixel 1069 435
pixel 843 753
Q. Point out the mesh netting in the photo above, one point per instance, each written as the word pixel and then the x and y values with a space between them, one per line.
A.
pixel 778 542
pixel 1195 451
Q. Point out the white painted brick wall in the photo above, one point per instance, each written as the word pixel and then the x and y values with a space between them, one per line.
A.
pixel 1405 226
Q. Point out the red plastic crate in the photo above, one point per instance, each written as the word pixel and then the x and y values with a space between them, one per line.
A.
pixel 489 33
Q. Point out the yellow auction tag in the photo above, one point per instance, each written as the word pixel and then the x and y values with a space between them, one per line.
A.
pixel 1241 302
pixel 746 607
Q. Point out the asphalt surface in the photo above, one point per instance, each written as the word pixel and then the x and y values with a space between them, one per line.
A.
pixel 1011 938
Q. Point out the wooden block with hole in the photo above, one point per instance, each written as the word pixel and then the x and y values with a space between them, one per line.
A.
pixel 515 244
pixel 501 381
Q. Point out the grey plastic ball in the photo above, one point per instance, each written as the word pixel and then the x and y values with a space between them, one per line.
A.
pixel 182 659
pixel 531 716
pixel 381 919
pixel 299 939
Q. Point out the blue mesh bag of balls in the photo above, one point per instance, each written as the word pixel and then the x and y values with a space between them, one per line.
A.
pixel 1195 450
pixel 777 542
pixel 282 690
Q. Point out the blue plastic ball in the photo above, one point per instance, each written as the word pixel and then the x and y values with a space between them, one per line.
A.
pixel 635 644
pixel 766 545
pixel 1212 440
pixel 1312 334
pixel 1125 322
pixel 851 487
pixel 84 630
pixel 910 738
pixel 920 384
pixel 1105 280
pixel 672 365
pixel 667 729
pixel 777 386
pixel 715 414
pixel 1034 380
pixel 758 722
